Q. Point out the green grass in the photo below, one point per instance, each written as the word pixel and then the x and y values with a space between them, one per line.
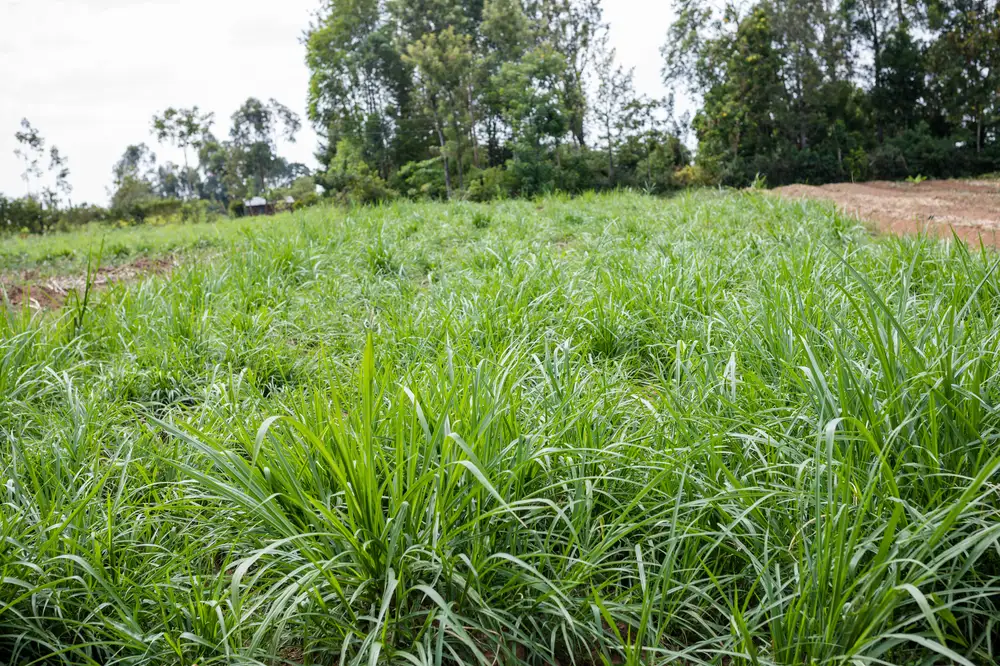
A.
pixel 720 429
pixel 69 252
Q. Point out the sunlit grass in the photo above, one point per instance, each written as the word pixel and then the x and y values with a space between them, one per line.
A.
pixel 719 429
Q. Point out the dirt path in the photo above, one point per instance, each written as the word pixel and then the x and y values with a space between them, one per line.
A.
pixel 30 289
pixel 970 207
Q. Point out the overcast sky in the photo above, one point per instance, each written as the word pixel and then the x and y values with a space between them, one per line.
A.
pixel 89 74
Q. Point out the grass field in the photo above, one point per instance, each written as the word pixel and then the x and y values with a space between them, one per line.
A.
pixel 718 429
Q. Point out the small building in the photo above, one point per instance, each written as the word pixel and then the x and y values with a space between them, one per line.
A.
pixel 257 206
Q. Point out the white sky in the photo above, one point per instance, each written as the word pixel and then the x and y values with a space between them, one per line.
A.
pixel 89 74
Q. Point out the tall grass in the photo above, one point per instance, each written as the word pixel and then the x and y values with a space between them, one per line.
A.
pixel 721 429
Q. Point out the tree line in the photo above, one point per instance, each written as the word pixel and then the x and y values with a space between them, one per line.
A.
pixel 484 99
pixel 833 90
pixel 480 99
pixel 216 176
pixel 490 98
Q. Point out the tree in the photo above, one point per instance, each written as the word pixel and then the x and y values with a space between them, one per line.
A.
pixel 965 62
pixel 30 150
pixel 138 162
pixel 615 98
pixel 359 87
pixel 572 28
pixel 875 20
pixel 133 176
pixel 899 100
pixel 58 166
pixel 530 94
pixel 220 162
pixel 183 128
pixel 444 63
pixel 257 128
pixel 652 149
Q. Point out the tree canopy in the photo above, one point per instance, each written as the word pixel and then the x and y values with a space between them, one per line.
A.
pixel 477 98
pixel 811 91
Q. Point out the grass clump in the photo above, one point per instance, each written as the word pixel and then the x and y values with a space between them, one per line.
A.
pixel 719 430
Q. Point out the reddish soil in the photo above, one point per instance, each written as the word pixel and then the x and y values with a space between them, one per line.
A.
pixel 30 289
pixel 970 207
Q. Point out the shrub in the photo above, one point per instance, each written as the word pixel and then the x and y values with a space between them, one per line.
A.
pixel 693 175
pixel 488 185
pixel 421 180
pixel 888 163
pixel 350 180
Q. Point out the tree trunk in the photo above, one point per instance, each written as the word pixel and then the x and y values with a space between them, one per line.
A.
pixel 979 131
pixel 458 153
pixel 472 130
pixel 444 155
pixel 611 155
pixel 877 61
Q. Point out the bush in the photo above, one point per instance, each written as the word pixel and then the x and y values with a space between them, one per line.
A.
pixel 693 175
pixel 488 185
pixel 421 180
pixel 351 180
pixel 888 163
pixel 23 216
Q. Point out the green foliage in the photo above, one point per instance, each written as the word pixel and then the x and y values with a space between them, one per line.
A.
pixel 352 179
pixel 490 184
pixel 722 428
pixel 24 215
pixel 438 98
pixel 420 180
pixel 862 89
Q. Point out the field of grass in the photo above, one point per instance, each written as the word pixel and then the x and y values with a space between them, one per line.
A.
pixel 70 252
pixel 718 429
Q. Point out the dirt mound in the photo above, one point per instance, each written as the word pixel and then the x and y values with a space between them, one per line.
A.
pixel 970 207
pixel 28 288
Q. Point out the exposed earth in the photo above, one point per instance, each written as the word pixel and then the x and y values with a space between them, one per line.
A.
pixel 970 207
pixel 29 288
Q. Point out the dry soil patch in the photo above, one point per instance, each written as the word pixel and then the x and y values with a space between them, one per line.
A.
pixel 970 207
pixel 31 289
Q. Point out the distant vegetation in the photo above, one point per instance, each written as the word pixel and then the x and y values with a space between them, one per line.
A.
pixel 801 91
pixel 491 99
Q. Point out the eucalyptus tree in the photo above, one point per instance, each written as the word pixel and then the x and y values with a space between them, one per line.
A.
pixel 443 63
pixel 30 150
pixel 185 129
pixel 613 102
pixel 257 127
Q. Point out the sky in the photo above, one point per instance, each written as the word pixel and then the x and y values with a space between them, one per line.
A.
pixel 90 74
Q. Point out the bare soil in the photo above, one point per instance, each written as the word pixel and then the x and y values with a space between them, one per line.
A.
pixel 30 289
pixel 969 207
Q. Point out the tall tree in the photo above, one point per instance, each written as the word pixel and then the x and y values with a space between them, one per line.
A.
pixel 615 97
pixel 359 86
pixel 530 95
pixel 965 62
pixel 875 20
pixel 183 128
pixel 59 167
pixel 30 150
pixel 573 28
pixel 137 162
pixel 257 128
pixel 444 66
